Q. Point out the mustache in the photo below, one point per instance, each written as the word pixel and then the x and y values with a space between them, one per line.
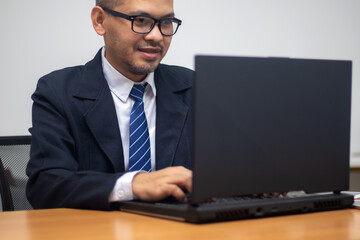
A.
pixel 151 44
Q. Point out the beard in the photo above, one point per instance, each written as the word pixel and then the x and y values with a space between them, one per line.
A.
pixel 126 61
pixel 143 69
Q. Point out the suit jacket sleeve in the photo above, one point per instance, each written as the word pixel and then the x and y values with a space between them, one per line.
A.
pixel 76 150
pixel 61 171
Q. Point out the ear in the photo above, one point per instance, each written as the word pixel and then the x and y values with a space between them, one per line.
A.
pixel 98 18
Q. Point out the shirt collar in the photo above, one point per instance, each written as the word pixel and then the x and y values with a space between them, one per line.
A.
pixel 119 84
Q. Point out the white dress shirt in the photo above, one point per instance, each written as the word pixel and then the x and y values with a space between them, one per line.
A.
pixel 120 87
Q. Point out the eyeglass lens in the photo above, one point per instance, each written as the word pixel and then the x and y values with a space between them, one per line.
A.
pixel 143 24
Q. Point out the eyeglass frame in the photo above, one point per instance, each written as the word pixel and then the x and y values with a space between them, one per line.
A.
pixel 132 18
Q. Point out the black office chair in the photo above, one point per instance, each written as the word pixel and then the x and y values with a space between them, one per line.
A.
pixel 14 156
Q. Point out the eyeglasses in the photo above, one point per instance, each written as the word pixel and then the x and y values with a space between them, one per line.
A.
pixel 168 26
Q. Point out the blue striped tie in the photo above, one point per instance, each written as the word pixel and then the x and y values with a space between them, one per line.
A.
pixel 139 144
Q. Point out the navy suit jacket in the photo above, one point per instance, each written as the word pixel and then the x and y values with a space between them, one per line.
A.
pixel 76 151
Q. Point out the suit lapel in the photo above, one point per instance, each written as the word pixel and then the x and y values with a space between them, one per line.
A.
pixel 100 113
pixel 171 113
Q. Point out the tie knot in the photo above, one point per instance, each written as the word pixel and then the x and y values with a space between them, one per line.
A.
pixel 137 92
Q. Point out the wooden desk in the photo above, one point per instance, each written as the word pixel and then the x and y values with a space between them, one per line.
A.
pixel 82 224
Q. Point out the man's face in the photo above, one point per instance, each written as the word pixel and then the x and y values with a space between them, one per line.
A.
pixel 132 54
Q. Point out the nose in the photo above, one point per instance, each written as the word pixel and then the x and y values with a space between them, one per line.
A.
pixel 155 34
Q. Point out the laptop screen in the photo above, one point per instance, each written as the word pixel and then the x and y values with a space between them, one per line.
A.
pixel 270 125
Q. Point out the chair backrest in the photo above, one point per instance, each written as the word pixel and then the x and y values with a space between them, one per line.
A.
pixel 5 194
pixel 14 155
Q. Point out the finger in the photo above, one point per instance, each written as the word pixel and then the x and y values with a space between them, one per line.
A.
pixel 186 184
pixel 276 194
pixel 179 194
pixel 183 178
pixel 163 183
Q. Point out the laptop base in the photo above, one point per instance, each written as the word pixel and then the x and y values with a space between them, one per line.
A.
pixel 215 212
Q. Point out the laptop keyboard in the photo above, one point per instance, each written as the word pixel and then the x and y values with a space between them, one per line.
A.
pixel 225 200
pixel 238 199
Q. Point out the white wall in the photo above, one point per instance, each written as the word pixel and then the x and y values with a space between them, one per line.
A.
pixel 39 36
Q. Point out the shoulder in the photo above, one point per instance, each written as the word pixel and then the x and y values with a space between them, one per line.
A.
pixel 175 75
pixel 59 83
pixel 61 75
pixel 176 71
pixel 75 75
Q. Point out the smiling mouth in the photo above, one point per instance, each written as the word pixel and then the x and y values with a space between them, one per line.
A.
pixel 150 49
pixel 150 53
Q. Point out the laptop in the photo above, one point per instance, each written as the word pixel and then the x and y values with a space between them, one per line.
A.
pixel 265 125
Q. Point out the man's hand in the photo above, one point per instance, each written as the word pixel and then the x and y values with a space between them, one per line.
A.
pixel 171 181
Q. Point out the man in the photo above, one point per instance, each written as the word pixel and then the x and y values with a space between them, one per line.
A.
pixel 81 153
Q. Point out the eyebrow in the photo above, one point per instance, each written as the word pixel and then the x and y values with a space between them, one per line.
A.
pixel 149 15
